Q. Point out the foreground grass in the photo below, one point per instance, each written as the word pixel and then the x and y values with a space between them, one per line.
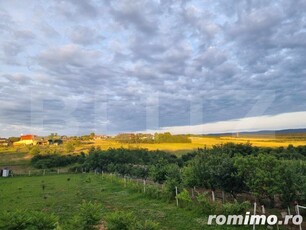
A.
pixel 61 194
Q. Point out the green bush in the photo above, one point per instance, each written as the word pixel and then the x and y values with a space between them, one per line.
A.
pixel 184 198
pixel 28 220
pixel 120 221
pixel 207 207
pixel 88 217
pixel 235 208
pixel 147 225
pixel 153 191
pixel 55 160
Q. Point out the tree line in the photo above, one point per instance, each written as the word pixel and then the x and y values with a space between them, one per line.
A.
pixel 166 137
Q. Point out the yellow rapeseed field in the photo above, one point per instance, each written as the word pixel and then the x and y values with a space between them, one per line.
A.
pixel 201 142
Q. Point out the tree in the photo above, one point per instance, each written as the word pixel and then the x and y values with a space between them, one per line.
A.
pixel 293 183
pixel 214 171
pixel 158 171
pixel 92 135
pixel 173 178
pixel 53 136
pixel 227 177
pixel 262 175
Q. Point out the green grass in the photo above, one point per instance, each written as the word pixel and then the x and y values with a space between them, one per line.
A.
pixel 63 193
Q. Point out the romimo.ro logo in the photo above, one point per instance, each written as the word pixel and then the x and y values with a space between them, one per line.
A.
pixel 248 219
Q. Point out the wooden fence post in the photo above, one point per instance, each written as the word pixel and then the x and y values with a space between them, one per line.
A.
pixel 223 197
pixel 176 198
pixel 254 214
pixel 213 195
pixel 289 212
pixel 298 213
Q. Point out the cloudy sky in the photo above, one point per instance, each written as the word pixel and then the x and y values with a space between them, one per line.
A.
pixel 75 67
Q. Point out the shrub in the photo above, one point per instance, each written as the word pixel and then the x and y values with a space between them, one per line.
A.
pixel 207 206
pixel 126 221
pixel 24 219
pixel 55 160
pixel 235 208
pixel 153 191
pixel 120 221
pixel 88 217
pixel 184 197
pixel 147 225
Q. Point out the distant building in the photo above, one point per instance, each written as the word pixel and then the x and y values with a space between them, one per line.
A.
pixel 4 142
pixel 27 140
pixel 143 136
pixel 100 137
pixel 55 142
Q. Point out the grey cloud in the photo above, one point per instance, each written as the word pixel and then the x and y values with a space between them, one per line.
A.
pixel 85 36
pixel 19 79
pixel 145 49
pixel 5 21
pixel 65 59
pixel 257 23
pixel 140 14
pixel 24 35
pixel 75 9
pixel 210 58
pixel 47 30
pixel 12 48
pixel 201 21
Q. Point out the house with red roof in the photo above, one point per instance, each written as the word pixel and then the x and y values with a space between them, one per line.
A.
pixel 28 139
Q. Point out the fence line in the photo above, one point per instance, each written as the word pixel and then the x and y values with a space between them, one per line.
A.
pixel 125 181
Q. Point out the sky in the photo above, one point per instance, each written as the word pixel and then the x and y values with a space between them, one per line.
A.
pixel 76 67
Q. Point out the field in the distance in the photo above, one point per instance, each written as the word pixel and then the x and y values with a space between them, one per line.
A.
pixel 18 157
pixel 209 141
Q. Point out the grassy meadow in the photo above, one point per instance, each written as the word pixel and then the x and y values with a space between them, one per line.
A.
pixel 61 195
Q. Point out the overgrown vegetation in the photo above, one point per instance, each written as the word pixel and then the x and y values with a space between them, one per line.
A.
pixel 27 219
pixel 266 173
pixel 55 160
